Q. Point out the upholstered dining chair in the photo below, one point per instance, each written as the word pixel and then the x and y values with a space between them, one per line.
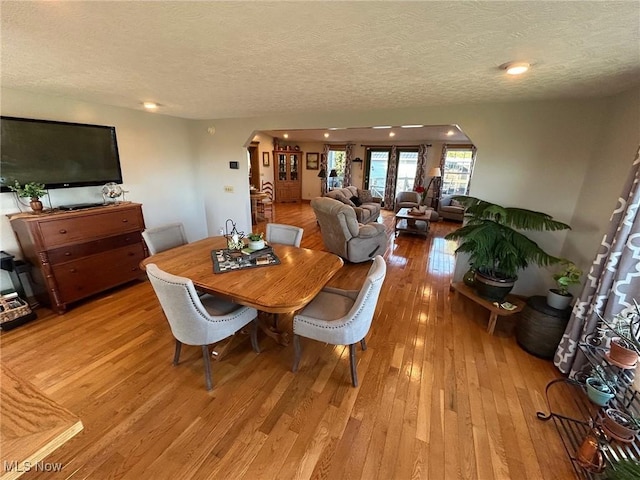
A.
pixel 163 238
pixel 284 234
pixel 341 317
pixel 199 320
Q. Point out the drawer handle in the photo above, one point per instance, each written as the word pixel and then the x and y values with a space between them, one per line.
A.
pixel 67 254
pixel 62 231
pixel 73 270
pixel 124 220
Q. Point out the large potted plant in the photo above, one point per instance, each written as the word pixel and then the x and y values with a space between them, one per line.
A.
pixel 34 191
pixel 560 298
pixel 497 249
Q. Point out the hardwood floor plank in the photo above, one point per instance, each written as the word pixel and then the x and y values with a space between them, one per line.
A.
pixel 438 397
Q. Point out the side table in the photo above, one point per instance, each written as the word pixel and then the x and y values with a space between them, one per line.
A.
pixel 541 327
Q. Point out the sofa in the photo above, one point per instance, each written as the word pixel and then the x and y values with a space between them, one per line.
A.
pixel 369 207
pixel 343 235
pixel 450 209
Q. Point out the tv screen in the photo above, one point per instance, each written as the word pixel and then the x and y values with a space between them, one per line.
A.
pixel 58 154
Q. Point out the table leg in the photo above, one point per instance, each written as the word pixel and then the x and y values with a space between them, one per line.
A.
pixel 492 322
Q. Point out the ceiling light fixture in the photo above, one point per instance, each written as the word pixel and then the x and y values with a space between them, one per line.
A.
pixel 382 126
pixel 392 134
pixel 326 135
pixel 516 68
pixel 450 133
pixel 150 105
pixel 286 135
pixel 411 126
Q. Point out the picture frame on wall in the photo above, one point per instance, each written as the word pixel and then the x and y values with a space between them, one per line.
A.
pixel 313 160
pixel 265 159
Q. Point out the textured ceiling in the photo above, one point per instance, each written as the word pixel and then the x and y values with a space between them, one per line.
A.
pixel 207 60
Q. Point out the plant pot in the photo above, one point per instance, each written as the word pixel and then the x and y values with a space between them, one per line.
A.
pixel 256 244
pixel 557 300
pixel 36 206
pixel 619 425
pixel 621 356
pixel 493 288
pixel 589 455
pixel 598 392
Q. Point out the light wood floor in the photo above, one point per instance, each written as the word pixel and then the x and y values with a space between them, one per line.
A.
pixel 439 398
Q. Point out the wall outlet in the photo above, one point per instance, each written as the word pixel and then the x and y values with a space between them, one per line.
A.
pixel 228 188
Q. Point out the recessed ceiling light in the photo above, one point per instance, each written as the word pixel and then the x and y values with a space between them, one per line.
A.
pixel 382 126
pixel 150 105
pixel 516 68
pixel 412 126
pixel 392 134
pixel 326 135
pixel 450 132
pixel 336 128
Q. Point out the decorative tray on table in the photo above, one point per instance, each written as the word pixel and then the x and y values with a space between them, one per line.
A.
pixel 225 260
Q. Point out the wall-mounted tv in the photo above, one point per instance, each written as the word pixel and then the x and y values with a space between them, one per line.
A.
pixel 58 154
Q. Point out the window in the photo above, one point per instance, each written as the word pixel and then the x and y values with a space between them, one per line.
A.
pixel 407 164
pixel 458 166
pixel 336 161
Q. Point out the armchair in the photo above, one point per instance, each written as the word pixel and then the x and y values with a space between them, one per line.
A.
pixel 406 200
pixel 343 235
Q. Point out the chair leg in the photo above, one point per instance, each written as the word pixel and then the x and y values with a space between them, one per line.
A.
pixel 352 358
pixel 297 351
pixel 254 335
pixel 176 355
pixel 207 367
pixel 363 344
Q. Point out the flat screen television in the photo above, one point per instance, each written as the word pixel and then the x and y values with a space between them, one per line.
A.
pixel 57 154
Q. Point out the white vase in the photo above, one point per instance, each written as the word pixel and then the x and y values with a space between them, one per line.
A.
pixel 558 301
pixel 256 244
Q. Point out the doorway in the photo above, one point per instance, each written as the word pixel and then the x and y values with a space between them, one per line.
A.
pixel 254 164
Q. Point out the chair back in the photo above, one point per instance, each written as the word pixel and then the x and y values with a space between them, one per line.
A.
pixel 365 305
pixel 163 238
pixel 267 187
pixel 284 234
pixel 189 320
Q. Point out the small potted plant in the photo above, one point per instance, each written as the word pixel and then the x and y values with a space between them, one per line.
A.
pixel 256 241
pixel 570 274
pixel 598 390
pixel 31 190
pixel 620 425
pixel 624 348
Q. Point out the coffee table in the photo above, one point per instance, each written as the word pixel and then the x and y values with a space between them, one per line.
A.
pixel 416 224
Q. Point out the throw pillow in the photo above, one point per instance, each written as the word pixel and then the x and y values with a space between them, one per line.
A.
pixel 365 196
pixel 356 201
pixel 456 203
pixel 345 200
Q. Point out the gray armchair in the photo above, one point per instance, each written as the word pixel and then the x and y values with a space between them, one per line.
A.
pixel 406 200
pixel 343 235
pixel 449 209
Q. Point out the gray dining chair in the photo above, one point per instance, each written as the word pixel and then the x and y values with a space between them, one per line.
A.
pixel 199 320
pixel 163 238
pixel 341 317
pixel 284 234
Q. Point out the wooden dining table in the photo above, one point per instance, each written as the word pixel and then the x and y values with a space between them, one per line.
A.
pixel 283 288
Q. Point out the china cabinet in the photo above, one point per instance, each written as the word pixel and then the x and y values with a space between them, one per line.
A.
pixel 287 175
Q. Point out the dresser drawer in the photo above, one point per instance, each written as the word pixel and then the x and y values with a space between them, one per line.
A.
pixel 62 231
pixel 86 276
pixel 71 253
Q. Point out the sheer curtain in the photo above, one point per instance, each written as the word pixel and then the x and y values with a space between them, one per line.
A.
pixel 348 150
pixel 421 166
pixel 613 281
pixel 390 184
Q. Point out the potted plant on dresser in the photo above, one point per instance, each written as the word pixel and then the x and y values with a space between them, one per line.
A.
pixel 560 297
pixel 495 245
pixel 33 190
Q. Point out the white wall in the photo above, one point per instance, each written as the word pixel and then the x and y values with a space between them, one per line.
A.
pixel 155 153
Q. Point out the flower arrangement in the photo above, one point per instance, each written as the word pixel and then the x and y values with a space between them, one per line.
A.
pixel 423 193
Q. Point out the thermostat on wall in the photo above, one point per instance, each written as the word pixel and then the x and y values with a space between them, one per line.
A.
pixel 234 165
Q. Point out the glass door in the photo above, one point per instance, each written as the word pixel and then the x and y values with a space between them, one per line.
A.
pixel 376 174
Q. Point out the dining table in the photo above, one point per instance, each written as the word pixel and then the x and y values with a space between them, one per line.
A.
pixel 278 289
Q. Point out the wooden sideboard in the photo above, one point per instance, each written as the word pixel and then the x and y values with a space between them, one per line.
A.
pixel 79 253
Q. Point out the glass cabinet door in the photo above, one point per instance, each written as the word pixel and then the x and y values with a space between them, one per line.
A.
pixel 282 166
pixel 294 167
